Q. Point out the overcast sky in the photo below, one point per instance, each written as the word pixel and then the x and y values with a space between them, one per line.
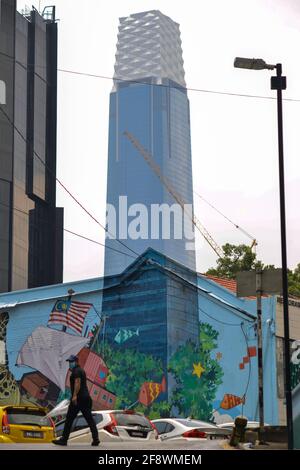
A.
pixel 234 139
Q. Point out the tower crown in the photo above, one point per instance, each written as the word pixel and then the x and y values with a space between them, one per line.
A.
pixel 149 45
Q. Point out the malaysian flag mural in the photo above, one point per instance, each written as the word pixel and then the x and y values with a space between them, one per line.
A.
pixel 70 314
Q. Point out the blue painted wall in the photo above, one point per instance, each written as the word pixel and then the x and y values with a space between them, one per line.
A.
pixel 233 346
pixel 157 300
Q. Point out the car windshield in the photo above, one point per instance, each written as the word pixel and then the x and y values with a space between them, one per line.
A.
pixel 27 416
pixel 126 419
pixel 194 423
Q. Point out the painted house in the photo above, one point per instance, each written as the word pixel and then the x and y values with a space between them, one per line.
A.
pixel 96 374
pixel 158 336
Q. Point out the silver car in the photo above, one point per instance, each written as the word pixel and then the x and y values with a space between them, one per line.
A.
pixel 179 428
pixel 251 425
pixel 113 426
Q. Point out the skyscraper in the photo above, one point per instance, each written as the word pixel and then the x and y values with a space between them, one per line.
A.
pixel 149 100
pixel 31 227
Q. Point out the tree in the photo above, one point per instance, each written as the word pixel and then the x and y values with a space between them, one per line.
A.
pixel 194 395
pixel 240 258
pixel 294 281
pixel 236 258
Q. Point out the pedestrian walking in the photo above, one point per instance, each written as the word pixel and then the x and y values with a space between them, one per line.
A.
pixel 80 401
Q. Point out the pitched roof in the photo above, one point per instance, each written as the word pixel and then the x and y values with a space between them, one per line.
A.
pixel 229 284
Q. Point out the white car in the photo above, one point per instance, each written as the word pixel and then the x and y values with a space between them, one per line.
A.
pixel 179 428
pixel 113 426
pixel 250 425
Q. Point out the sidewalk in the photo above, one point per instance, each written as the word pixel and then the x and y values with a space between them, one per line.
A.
pixel 269 446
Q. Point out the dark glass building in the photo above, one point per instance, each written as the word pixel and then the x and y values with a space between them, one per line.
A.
pixel 31 227
pixel 149 100
pixel 157 299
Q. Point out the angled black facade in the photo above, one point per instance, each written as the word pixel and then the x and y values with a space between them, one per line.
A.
pixel 31 227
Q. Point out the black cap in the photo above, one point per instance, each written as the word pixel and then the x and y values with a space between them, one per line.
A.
pixel 72 358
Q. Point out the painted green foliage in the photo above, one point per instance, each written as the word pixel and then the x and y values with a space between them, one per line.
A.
pixel 194 395
pixel 295 375
pixel 128 370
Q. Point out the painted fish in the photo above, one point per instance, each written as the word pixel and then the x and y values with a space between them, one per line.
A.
pixel 230 401
pixel 125 335
pixel 149 391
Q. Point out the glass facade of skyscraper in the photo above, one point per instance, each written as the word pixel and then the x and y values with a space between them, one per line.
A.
pixel 31 227
pixel 149 100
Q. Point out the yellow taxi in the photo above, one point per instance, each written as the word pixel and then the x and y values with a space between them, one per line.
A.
pixel 25 424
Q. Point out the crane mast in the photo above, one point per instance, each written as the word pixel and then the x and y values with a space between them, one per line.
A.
pixel 156 169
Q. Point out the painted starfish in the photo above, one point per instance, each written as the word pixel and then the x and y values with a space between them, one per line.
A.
pixel 198 370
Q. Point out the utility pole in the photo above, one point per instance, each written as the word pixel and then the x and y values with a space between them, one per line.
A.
pixel 260 354
pixel 278 83
pixel 259 283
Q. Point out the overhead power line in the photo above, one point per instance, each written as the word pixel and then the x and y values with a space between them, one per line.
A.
pixel 73 233
pixel 227 218
pixel 64 187
pixel 141 82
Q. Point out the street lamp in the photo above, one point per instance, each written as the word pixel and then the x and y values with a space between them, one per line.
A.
pixel 254 64
pixel 278 83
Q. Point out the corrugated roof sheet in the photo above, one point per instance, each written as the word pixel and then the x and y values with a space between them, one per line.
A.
pixel 229 284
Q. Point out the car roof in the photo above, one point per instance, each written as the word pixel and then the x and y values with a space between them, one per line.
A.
pixel 105 412
pixel 181 420
pixel 129 412
pixel 231 423
pixel 162 419
pixel 24 407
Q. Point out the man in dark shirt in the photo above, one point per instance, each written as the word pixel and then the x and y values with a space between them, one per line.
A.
pixel 80 401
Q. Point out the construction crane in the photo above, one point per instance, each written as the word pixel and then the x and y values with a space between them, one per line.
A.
pixel 254 241
pixel 156 168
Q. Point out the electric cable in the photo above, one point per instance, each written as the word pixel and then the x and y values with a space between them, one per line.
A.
pixel 74 233
pixel 65 188
pixel 137 81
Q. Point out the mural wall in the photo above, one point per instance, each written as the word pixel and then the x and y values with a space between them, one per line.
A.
pixel 295 382
pixel 210 376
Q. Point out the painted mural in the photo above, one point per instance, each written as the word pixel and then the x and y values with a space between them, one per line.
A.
pixel 295 383
pixel 118 375
pixel 9 389
pixel 44 352
pixel 146 338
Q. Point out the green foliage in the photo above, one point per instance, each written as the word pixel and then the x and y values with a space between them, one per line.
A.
pixel 240 258
pixel 294 281
pixel 128 370
pixel 236 258
pixel 158 409
pixel 193 396
pixel 295 375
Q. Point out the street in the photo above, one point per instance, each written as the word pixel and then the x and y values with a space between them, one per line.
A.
pixel 200 444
